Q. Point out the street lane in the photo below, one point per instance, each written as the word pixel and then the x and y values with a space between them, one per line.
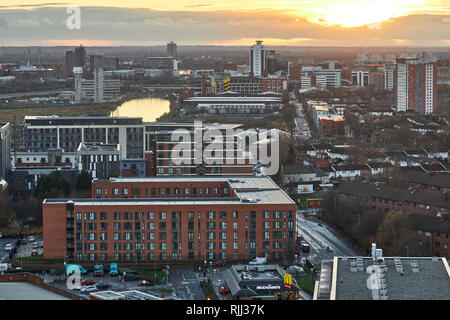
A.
pixel 319 237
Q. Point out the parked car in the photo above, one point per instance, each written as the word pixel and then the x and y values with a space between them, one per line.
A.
pixel 219 263
pixel 224 290
pixel 103 286
pixel 8 247
pixel 131 276
pixel 34 252
pixel 88 282
pixel 31 239
pixel 296 270
pixel 329 249
pixel 35 245
pixel 88 289
pixel 1 235
pixel 13 235
pixel 41 244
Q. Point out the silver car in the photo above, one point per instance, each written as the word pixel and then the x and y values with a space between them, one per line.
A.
pixel 88 289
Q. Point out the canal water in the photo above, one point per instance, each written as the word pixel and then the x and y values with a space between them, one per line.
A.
pixel 148 108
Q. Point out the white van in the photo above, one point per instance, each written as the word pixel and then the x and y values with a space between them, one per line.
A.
pixel 257 261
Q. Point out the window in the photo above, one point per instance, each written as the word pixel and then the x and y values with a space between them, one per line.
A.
pixel 223 225
pixel 116 215
pixel 151 236
pixel 127 236
pixel 235 225
pixel 125 191
pixel 115 191
pixel 162 236
pixel 186 190
pixel 151 226
pixel 116 225
pixel 223 245
pixel 235 235
pixel 211 215
pixel 151 246
pixel 91 236
pixel 150 215
pixel 210 225
pixel 223 236
pixel 162 226
pixel 266 235
pixel 223 214
pixel 266 214
pixel 117 236
pixel 163 246
pixel 92 215
pixel 162 215
pixel 103 236
pixel 235 245
pixel 210 235
pixel 266 225
pixel 103 216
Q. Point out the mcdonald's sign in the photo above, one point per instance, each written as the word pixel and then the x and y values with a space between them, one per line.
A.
pixel 288 281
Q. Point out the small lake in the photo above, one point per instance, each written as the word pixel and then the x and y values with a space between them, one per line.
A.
pixel 148 108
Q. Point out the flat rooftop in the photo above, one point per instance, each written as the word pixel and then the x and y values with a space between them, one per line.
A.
pixel 405 278
pixel 26 291
pixel 253 189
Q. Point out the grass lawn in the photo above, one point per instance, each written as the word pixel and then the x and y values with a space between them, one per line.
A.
pixel 16 113
pixel 301 201
pixel 304 281
pixel 151 274
pixel 39 259
pixel 208 290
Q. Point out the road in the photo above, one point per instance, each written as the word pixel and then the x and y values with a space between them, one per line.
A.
pixel 32 93
pixel 302 130
pixel 319 237
pixel 186 283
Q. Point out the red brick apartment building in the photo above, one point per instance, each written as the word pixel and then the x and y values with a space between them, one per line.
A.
pixel 433 233
pixel 172 219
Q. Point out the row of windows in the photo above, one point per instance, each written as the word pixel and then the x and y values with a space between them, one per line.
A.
pixel 128 246
pixel 211 256
pixel 163 191
pixel 163 215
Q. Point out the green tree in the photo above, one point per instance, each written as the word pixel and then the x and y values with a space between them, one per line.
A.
pixel 52 185
pixel 84 181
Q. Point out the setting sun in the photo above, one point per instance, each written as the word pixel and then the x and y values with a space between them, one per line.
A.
pixel 352 13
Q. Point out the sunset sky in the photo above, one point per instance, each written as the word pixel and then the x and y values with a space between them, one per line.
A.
pixel 281 22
